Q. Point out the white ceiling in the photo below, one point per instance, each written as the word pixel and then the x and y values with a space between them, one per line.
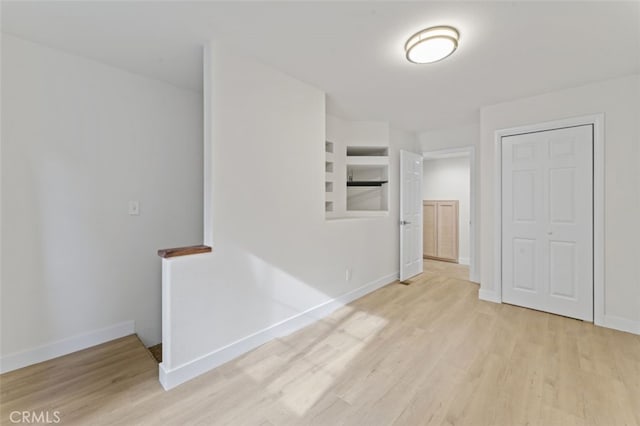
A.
pixel 354 50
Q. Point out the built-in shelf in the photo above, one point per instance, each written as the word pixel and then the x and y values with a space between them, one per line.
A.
pixel 328 147
pixel 367 173
pixel 366 182
pixel 329 166
pixel 357 165
pixel 367 151
pixel 365 213
pixel 357 215
pixel 367 160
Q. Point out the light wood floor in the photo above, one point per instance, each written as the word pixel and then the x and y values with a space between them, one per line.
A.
pixel 447 269
pixel 429 353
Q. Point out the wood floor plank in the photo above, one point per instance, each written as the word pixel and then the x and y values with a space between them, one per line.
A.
pixel 429 353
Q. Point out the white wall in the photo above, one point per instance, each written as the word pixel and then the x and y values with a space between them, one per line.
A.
pixel 466 134
pixel 619 100
pixel 274 255
pixel 79 140
pixel 448 179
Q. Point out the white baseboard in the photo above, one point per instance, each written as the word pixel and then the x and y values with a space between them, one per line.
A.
pixel 65 346
pixel 608 321
pixel 464 261
pixel 621 324
pixel 178 375
pixel 489 296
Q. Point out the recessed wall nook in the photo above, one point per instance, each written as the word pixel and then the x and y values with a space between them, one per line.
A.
pixel 356 168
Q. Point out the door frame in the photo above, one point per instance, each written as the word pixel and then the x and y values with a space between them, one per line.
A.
pixel 597 120
pixel 473 218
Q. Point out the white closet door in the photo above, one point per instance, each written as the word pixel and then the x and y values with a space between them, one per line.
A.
pixel 547 221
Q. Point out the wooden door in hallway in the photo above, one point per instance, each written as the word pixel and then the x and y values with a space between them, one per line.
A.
pixel 440 230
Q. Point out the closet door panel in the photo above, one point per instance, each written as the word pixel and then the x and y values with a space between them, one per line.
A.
pixel 447 230
pixel 429 227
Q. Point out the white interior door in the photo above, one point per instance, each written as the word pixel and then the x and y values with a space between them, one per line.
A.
pixel 547 221
pixel 410 214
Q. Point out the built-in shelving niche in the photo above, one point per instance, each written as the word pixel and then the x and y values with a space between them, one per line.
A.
pixel 329 165
pixel 367 179
pixel 367 151
pixel 328 147
pixel 366 182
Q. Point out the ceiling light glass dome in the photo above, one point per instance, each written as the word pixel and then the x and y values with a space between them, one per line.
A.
pixel 431 44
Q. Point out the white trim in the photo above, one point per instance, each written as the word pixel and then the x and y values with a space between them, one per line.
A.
pixel 166 311
pixel 464 261
pixel 364 214
pixel 207 149
pixel 621 324
pixel 65 346
pixel 474 274
pixel 489 295
pixel 597 120
pixel 178 375
pixel 598 220
pixel 497 217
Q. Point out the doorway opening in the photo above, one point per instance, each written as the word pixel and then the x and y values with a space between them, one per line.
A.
pixel 448 193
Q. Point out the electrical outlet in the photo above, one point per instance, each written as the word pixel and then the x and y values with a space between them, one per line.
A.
pixel 134 208
pixel 347 275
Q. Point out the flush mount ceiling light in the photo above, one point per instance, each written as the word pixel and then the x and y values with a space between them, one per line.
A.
pixel 431 44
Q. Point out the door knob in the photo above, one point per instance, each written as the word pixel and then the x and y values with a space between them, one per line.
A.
pixel 404 222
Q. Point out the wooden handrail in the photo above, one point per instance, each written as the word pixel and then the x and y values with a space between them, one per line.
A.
pixel 183 251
